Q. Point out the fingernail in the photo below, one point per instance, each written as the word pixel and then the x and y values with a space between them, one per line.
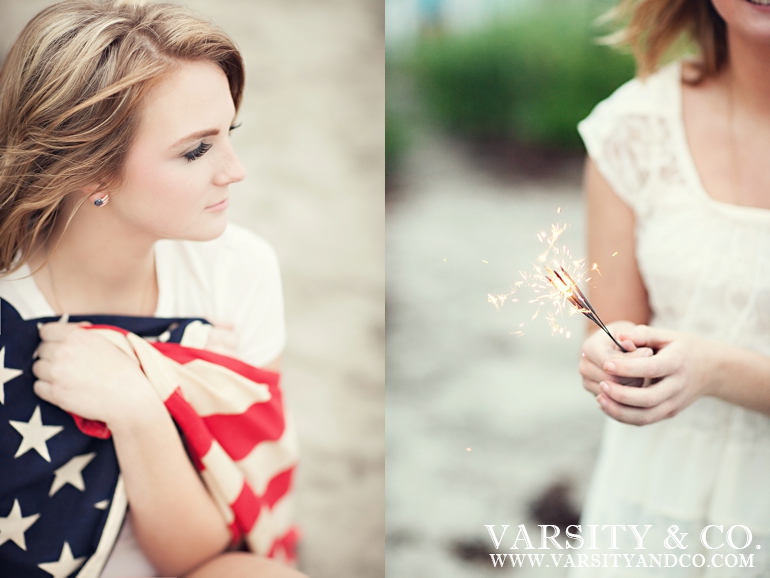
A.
pixel 600 399
pixel 604 385
pixel 609 366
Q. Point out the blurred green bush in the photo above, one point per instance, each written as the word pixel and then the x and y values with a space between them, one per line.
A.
pixel 530 79
pixel 396 139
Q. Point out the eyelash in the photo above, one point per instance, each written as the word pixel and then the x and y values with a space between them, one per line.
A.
pixel 203 148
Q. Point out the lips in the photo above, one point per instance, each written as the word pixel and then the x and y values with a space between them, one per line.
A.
pixel 221 205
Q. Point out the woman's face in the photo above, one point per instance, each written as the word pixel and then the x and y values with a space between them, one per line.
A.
pixel 177 172
pixel 746 18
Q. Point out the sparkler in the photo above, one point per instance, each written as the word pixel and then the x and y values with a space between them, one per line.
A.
pixel 567 287
pixel 554 286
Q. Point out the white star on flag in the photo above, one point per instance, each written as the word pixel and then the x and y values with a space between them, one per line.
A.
pixel 71 473
pixel 14 525
pixel 65 566
pixel 34 435
pixel 6 375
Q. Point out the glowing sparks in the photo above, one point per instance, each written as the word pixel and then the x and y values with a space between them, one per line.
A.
pixel 549 299
pixel 554 283
pixel 485 261
pixel 615 253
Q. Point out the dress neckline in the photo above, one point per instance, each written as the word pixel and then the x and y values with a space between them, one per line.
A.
pixel 730 209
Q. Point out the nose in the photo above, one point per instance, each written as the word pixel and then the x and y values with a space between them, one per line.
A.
pixel 232 170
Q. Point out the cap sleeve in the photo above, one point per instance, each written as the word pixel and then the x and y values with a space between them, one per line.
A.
pixel 628 137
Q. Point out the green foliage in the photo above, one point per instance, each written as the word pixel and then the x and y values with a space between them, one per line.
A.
pixel 396 139
pixel 530 79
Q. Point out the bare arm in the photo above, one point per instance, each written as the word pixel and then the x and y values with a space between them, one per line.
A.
pixel 618 294
pixel 177 524
pixel 688 366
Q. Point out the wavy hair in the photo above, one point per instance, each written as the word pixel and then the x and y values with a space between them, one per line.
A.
pixel 71 93
pixel 654 27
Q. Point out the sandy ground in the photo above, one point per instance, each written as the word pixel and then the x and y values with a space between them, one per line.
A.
pixel 312 142
pixel 479 420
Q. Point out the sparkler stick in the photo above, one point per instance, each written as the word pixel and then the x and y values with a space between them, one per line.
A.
pixel 567 287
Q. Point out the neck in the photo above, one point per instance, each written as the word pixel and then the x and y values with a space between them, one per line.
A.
pixel 97 266
pixel 748 73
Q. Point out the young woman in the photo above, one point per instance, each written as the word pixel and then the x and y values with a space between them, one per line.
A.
pixel 115 163
pixel 678 189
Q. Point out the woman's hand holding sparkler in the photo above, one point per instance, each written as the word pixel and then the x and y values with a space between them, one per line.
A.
pixel 598 350
pixel 681 370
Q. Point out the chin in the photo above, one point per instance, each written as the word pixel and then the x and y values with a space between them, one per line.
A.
pixel 205 231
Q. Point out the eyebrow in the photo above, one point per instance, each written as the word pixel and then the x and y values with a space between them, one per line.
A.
pixel 196 136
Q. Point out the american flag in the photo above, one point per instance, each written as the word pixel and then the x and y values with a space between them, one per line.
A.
pixel 62 500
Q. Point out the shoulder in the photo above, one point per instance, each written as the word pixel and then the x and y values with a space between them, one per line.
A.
pixel 630 135
pixel 655 94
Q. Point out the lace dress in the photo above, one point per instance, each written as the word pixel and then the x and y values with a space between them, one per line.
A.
pixel 706 266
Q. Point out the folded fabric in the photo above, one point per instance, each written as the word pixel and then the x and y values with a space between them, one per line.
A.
pixel 62 500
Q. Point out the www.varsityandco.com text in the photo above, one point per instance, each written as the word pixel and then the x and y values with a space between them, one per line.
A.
pixel 622 546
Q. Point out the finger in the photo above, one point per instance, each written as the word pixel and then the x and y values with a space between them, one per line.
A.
pixel 43 370
pixel 46 350
pixel 635 415
pixel 635 354
pixel 644 335
pixel 628 345
pixel 44 390
pixel 592 371
pixel 56 331
pixel 659 365
pixel 642 397
pixel 592 386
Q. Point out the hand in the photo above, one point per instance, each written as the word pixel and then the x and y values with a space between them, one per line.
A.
pixel 681 370
pixel 83 373
pixel 598 349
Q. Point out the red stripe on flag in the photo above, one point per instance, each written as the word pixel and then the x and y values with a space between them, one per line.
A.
pixel 279 486
pixel 116 329
pixel 240 433
pixel 246 509
pixel 199 439
pixel 235 533
pixel 288 543
pixel 182 354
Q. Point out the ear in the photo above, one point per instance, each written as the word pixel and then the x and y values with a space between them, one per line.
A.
pixel 96 195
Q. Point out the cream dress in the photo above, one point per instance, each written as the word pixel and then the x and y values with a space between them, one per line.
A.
pixel 706 266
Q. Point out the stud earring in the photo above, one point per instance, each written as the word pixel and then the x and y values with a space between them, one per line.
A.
pixel 103 200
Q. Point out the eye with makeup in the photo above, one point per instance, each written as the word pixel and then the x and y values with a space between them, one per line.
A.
pixel 203 148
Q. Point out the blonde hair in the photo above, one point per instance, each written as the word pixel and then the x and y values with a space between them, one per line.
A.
pixel 656 27
pixel 71 90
